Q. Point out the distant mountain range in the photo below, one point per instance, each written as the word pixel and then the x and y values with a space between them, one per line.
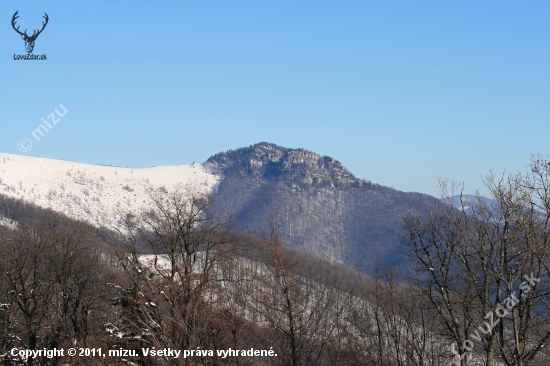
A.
pixel 465 202
pixel 322 207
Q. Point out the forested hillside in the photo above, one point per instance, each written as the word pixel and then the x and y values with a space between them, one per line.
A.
pixel 323 208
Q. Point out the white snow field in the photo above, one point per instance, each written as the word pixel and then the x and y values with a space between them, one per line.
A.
pixel 95 193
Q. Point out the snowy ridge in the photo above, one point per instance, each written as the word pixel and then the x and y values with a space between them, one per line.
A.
pixel 6 221
pixel 94 193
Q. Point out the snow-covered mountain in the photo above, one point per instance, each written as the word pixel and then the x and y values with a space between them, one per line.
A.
pixel 466 201
pixel 94 193
pixel 323 208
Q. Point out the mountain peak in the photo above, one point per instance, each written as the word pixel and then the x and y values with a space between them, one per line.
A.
pixel 263 151
pixel 295 166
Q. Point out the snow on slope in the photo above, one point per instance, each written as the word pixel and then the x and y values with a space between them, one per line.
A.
pixel 93 192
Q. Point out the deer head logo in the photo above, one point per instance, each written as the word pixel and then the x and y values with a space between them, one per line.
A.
pixel 29 40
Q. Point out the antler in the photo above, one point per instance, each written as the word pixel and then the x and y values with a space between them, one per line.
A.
pixel 34 35
pixel 15 16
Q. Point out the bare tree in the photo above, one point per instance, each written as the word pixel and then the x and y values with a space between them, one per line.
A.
pixel 52 280
pixel 296 314
pixel 482 266
pixel 171 293
pixel 435 244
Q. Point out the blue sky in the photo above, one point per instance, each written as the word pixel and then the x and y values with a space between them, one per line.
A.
pixel 400 92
